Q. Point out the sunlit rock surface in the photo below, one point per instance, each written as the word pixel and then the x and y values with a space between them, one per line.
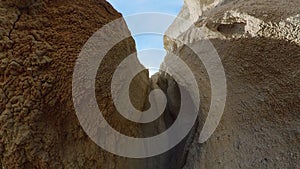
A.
pixel 258 43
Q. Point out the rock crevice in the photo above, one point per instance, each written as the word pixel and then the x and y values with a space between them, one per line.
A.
pixel 258 44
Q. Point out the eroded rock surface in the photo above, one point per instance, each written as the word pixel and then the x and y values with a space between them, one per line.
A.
pixel 258 43
pixel 39 44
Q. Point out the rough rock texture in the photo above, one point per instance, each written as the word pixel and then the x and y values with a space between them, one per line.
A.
pixel 258 43
pixel 191 11
pixel 39 43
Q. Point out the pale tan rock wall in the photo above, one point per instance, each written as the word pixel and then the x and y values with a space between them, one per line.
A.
pixel 258 43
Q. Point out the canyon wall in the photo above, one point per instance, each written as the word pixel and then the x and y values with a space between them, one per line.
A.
pixel 40 41
pixel 256 40
pixel 258 44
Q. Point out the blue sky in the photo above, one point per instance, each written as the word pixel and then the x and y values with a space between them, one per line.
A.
pixel 149 41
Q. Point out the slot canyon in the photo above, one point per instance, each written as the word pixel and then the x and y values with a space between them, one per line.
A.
pixel 258 42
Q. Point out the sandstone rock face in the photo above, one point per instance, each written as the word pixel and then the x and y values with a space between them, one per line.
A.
pixel 39 43
pixel 258 43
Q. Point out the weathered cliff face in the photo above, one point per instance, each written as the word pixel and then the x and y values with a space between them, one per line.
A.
pixel 39 43
pixel 195 8
pixel 191 11
pixel 258 43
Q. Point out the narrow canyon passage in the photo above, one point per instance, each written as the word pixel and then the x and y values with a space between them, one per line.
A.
pixel 176 157
pixel 41 46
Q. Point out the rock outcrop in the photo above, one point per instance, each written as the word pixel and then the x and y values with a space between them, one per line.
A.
pixel 258 43
pixel 40 41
